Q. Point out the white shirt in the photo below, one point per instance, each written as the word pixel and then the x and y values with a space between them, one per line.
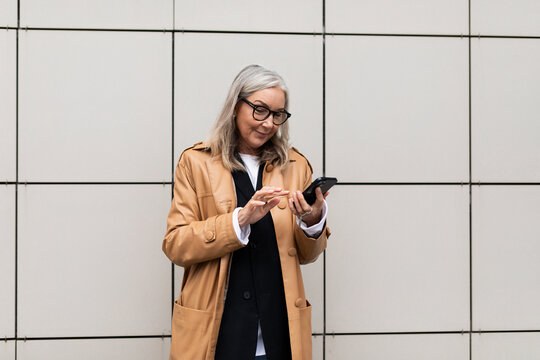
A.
pixel 242 233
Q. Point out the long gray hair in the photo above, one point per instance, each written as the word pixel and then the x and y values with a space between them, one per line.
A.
pixel 224 137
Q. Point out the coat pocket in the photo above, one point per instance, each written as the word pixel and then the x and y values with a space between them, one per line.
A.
pixel 305 326
pixel 191 332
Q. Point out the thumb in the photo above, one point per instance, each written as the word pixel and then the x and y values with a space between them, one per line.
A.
pixel 271 203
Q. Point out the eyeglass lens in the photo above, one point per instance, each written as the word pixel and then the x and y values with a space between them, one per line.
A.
pixel 261 113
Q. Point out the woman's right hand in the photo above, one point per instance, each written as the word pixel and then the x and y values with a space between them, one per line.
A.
pixel 260 204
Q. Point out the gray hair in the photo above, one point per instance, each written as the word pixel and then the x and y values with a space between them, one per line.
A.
pixel 224 137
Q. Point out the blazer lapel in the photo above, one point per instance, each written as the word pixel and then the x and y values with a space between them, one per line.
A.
pixel 244 182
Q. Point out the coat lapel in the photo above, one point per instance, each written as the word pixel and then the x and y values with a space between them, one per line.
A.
pixel 222 186
pixel 272 176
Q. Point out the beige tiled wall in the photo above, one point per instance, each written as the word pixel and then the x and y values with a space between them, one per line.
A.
pixel 426 111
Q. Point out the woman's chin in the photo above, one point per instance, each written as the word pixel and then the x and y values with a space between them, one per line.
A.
pixel 257 144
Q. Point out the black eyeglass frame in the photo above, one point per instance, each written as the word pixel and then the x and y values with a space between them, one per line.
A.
pixel 274 113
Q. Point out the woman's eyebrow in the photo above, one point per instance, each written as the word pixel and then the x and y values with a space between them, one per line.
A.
pixel 263 103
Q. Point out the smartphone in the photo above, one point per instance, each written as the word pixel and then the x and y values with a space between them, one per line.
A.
pixel 325 183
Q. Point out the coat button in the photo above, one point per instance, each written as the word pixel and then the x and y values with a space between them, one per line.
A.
pixel 209 235
pixel 253 245
pixel 299 302
pixel 292 252
pixel 269 168
pixel 282 204
pixel 247 295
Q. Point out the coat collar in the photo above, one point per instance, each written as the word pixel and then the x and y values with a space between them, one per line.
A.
pixel 223 188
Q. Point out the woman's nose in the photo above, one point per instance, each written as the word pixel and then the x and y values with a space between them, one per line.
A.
pixel 269 121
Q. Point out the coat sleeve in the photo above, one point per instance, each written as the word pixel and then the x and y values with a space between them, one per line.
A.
pixel 190 239
pixel 309 248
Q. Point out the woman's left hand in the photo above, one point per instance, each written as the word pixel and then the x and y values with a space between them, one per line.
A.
pixel 311 215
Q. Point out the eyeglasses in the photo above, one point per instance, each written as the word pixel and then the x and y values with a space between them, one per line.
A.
pixel 262 113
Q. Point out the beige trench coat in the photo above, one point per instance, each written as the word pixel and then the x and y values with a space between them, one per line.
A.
pixel 200 237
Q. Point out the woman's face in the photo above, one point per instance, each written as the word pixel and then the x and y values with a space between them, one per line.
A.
pixel 254 133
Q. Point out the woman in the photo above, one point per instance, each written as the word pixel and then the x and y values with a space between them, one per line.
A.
pixel 240 227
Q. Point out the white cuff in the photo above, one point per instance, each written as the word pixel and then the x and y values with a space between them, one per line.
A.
pixel 241 233
pixel 315 230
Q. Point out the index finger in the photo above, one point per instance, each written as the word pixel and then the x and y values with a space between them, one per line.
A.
pixel 271 188
pixel 278 194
